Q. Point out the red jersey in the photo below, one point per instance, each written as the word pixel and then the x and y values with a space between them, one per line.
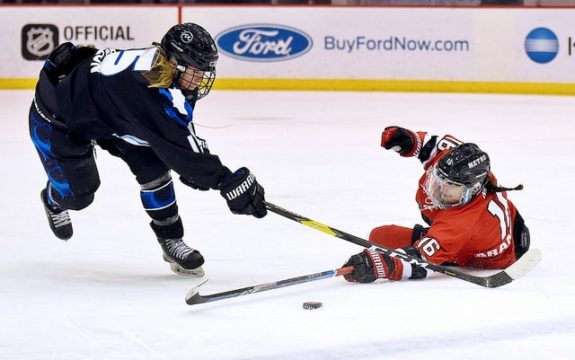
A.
pixel 476 234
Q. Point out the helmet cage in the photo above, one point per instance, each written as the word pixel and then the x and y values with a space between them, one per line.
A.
pixel 445 193
pixel 194 82
pixel 457 176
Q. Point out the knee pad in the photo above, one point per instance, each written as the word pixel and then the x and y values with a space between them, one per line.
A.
pixel 159 198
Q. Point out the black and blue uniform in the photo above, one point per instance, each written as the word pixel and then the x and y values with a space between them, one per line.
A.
pixel 87 97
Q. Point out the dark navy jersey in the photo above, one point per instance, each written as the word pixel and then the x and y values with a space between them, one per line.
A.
pixel 106 96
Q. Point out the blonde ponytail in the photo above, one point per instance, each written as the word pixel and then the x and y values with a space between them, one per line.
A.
pixel 162 73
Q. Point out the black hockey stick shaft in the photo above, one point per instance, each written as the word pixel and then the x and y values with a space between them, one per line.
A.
pixel 496 280
pixel 193 296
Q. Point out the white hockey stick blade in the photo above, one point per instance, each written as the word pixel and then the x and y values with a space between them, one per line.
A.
pixel 527 262
pixel 515 271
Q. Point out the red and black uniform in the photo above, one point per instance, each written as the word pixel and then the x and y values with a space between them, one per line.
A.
pixel 476 234
pixel 485 232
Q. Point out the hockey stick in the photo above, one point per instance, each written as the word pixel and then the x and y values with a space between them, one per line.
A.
pixel 513 272
pixel 193 296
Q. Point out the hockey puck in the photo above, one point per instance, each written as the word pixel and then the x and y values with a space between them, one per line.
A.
pixel 312 305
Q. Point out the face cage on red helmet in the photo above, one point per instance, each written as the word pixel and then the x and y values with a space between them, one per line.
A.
pixel 202 88
pixel 436 182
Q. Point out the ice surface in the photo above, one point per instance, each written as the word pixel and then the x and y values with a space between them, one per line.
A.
pixel 107 294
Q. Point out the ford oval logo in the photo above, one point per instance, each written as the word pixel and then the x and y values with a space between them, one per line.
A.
pixel 263 42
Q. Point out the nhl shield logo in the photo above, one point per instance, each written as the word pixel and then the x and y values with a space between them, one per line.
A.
pixel 38 41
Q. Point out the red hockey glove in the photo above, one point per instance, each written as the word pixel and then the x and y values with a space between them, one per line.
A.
pixel 370 265
pixel 404 141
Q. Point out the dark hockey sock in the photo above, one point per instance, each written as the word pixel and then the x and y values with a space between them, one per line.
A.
pixel 170 228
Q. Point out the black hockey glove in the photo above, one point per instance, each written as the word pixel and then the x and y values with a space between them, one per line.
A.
pixel 192 184
pixel 243 193
pixel 404 141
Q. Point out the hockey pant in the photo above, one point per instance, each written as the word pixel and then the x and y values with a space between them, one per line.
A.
pixel 73 174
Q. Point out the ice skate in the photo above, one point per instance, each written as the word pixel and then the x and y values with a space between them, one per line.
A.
pixel 183 260
pixel 59 219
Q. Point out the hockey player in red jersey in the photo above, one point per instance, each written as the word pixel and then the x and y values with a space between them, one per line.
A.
pixel 471 221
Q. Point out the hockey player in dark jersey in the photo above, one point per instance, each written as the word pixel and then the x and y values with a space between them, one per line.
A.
pixel 138 105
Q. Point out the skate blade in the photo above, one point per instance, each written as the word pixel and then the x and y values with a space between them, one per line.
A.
pixel 199 271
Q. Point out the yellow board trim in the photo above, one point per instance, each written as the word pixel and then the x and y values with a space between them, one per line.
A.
pixel 396 85
pixel 364 85
pixel 17 84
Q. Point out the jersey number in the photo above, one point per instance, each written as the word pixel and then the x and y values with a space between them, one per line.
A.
pixel 429 246
pixel 500 210
pixel 448 142
pixel 118 61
